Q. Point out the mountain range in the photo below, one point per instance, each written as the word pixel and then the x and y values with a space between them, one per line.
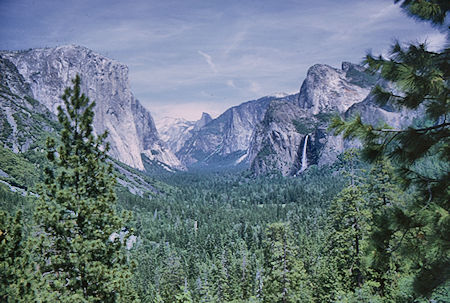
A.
pixel 281 133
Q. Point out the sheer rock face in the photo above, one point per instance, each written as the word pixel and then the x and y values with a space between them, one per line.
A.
pixel 328 89
pixel 131 128
pixel 264 133
pixel 278 140
pixel 226 139
pixel 23 120
pixel 276 144
pixel 374 114
pixel 205 119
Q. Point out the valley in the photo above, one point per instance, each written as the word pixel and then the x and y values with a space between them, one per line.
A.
pixel 335 193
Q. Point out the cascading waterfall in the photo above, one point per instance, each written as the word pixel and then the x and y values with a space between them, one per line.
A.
pixel 304 158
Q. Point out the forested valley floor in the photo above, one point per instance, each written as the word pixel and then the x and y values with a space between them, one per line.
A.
pixel 233 237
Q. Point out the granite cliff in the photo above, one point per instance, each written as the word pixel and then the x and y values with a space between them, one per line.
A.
pixel 283 133
pixel 292 134
pixel 224 141
pixel 132 132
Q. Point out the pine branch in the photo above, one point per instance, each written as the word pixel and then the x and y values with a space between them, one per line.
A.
pixel 424 130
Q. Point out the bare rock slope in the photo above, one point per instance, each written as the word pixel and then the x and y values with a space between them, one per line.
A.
pixel 132 132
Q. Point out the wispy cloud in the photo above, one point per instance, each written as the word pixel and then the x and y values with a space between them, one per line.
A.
pixel 435 41
pixel 255 87
pixel 231 84
pixel 209 60
pixel 250 48
pixel 236 40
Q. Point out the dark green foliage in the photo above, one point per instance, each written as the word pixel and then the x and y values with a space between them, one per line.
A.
pixel 434 11
pixel 420 153
pixel 6 129
pixel 215 226
pixel 285 279
pixel 324 117
pixel 303 127
pixel 265 151
pixel 343 269
pixel 79 258
pixel 10 201
pixel 15 282
pixel 21 171
pixel 217 237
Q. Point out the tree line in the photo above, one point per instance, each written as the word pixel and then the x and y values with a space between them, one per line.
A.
pixel 371 228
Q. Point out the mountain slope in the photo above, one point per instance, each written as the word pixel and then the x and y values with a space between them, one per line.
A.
pixel 23 120
pixel 224 140
pixel 176 131
pixel 328 89
pixel 131 128
pixel 279 140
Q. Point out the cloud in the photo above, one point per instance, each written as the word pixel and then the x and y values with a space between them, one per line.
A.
pixel 236 40
pixel 230 83
pixel 255 87
pixel 435 41
pixel 208 59
pixel 251 48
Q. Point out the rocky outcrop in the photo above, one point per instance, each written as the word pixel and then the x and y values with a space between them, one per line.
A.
pixel 131 129
pixel 276 144
pixel 279 141
pixel 176 131
pixel 327 89
pixel 372 113
pixel 226 139
pixel 205 119
pixel 268 133
pixel 23 120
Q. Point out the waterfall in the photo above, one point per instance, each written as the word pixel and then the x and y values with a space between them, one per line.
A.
pixel 304 158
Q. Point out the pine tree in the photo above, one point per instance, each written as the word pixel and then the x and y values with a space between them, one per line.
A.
pixel 342 269
pixel 184 296
pixel 80 239
pixel 285 278
pixel 421 153
pixel 15 283
pixel 222 277
pixel 383 199
pixel 172 276
pixel 348 215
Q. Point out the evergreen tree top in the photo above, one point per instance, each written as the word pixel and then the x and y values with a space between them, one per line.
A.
pixel 434 11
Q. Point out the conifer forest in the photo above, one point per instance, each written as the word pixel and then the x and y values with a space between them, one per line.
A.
pixel 78 225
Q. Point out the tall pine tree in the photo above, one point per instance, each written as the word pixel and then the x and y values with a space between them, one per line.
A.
pixel 421 153
pixel 80 253
pixel 285 278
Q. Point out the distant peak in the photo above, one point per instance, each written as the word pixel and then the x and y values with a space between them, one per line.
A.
pixel 205 119
pixel 206 116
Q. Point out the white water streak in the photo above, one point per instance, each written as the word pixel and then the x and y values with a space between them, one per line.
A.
pixel 304 158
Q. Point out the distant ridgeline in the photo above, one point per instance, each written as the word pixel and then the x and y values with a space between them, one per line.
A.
pixel 266 135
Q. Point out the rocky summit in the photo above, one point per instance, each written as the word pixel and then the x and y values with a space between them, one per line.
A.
pixel 294 135
pixel 283 133
pixel 47 72
pixel 225 140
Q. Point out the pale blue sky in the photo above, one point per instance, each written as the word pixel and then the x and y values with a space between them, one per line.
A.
pixel 190 56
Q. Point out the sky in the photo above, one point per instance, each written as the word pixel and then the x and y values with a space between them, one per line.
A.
pixel 186 57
